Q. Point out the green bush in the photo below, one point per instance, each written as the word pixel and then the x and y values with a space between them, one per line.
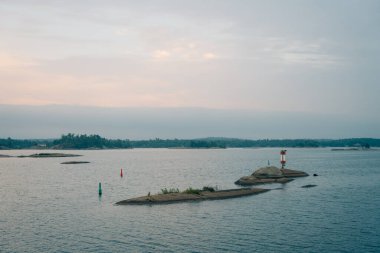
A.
pixel 192 191
pixel 189 190
pixel 171 190
pixel 208 189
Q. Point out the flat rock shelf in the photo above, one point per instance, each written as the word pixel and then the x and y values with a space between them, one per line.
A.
pixel 270 174
pixel 74 162
pixel 48 155
pixel 183 197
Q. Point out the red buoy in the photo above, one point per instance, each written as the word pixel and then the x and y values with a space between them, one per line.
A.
pixel 121 172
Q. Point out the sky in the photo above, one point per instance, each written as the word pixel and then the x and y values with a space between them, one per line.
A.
pixel 305 59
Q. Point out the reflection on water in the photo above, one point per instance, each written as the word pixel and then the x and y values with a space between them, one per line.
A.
pixel 48 206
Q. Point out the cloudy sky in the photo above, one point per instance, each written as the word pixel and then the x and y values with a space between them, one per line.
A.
pixel 297 57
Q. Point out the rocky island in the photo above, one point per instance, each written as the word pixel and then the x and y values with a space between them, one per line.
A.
pixel 47 155
pixel 270 174
pixel 75 162
pixel 194 195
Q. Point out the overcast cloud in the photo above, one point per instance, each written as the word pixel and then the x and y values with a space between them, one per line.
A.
pixel 303 58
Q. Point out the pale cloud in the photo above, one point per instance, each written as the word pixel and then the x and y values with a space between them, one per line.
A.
pixel 311 59
pixel 121 31
pixel 209 56
pixel 34 86
pixel 8 60
pixel 191 45
pixel 161 54
pixel 290 51
pixel 186 52
pixel 190 53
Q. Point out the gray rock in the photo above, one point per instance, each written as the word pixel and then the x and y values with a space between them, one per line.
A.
pixel 308 186
pixel 270 174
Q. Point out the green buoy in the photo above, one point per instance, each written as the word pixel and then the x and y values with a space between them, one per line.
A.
pixel 100 189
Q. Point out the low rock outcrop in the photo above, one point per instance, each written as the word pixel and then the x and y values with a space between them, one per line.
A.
pixel 74 162
pixel 48 155
pixel 293 173
pixel 270 174
pixel 183 197
pixel 309 186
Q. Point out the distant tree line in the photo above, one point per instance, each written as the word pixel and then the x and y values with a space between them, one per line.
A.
pixel 83 141
pixel 10 143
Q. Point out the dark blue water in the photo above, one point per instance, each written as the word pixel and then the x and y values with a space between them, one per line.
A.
pixel 49 207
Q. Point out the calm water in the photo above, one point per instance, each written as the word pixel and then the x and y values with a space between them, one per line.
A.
pixel 49 207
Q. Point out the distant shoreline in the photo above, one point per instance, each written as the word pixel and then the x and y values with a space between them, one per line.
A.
pixel 181 148
pixel 96 142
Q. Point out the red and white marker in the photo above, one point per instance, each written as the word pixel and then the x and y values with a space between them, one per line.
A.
pixel 283 158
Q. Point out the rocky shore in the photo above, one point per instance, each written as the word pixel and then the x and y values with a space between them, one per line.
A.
pixel 183 197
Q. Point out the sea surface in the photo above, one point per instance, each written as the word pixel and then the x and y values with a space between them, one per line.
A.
pixel 46 206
